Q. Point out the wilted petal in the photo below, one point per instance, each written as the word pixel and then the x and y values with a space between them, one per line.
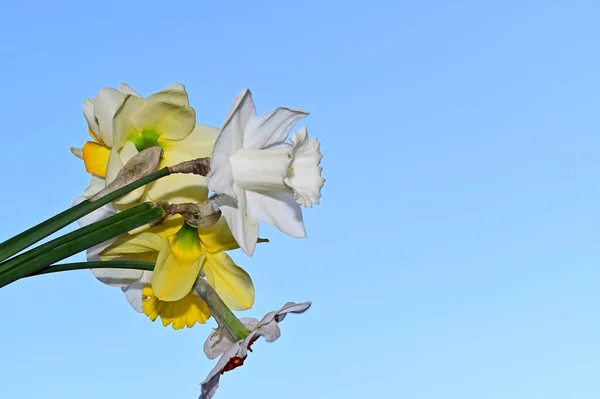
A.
pixel 220 340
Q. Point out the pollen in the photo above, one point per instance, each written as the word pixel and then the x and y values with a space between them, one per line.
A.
pixel 185 312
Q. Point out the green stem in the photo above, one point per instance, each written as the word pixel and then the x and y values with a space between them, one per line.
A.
pixel 23 240
pixel 109 264
pixel 72 236
pixel 220 311
pixel 44 260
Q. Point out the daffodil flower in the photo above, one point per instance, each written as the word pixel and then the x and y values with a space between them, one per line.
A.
pixel 259 175
pixel 122 123
pixel 233 354
pixel 181 253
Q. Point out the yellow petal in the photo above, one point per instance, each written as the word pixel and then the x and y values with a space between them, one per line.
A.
pixel 173 278
pixel 95 157
pixel 169 120
pixel 218 237
pixel 135 245
pixel 230 281
pixel 178 265
pixel 183 313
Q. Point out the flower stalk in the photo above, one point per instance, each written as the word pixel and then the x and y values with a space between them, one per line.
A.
pixel 222 314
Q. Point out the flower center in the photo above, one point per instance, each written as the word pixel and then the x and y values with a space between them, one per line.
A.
pixel 186 244
pixel 145 139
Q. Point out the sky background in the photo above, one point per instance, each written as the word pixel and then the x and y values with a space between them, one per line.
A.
pixel 455 252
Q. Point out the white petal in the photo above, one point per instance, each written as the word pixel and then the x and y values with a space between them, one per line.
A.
pixel 96 185
pixel 106 104
pixel 126 89
pixel 304 176
pixel 117 277
pixel 271 128
pixel 210 386
pixel 133 292
pixel 90 117
pixel 219 340
pixel 268 326
pixel 122 124
pixel 231 136
pixel 220 177
pixel 229 141
pixel 277 209
pixel 243 226
pixel 101 213
pixel 78 152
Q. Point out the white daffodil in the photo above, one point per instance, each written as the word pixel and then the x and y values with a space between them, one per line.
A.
pixel 259 175
pixel 233 354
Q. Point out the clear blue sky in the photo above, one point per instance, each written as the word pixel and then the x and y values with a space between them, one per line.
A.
pixel 455 253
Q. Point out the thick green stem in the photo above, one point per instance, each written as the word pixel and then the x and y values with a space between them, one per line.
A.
pixel 220 311
pixel 95 237
pixel 109 264
pixel 21 241
pixel 27 256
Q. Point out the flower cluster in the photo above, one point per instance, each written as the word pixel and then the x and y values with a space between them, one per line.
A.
pixel 256 175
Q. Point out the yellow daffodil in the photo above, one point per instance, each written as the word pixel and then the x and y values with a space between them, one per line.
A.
pixel 181 254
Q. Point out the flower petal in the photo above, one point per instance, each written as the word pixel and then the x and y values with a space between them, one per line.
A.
pixel 95 157
pixel 220 340
pixel 175 94
pixel 305 173
pixel 122 126
pixel 133 292
pixel 134 244
pixel 126 89
pixel 230 281
pixel 90 117
pixel 271 128
pixel 243 225
pixel 78 152
pixel 106 105
pixel 174 279
pixel 117 277
pixel 268 326
pixel 220 178
pixel 217 237
pixel 96 185
pixel 171 121
pixel 279 210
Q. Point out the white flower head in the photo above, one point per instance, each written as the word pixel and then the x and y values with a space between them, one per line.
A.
pixel 262 177
pixel 232 353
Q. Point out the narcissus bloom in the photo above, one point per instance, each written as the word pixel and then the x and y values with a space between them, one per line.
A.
pixel 259 175
pixel 233 354
pixel 122 123
pixel 181 253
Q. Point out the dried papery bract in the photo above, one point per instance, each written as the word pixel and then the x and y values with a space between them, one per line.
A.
pixel 141 165
pixel 204 214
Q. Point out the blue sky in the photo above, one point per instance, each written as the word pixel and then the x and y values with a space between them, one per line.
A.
pixel 455 251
